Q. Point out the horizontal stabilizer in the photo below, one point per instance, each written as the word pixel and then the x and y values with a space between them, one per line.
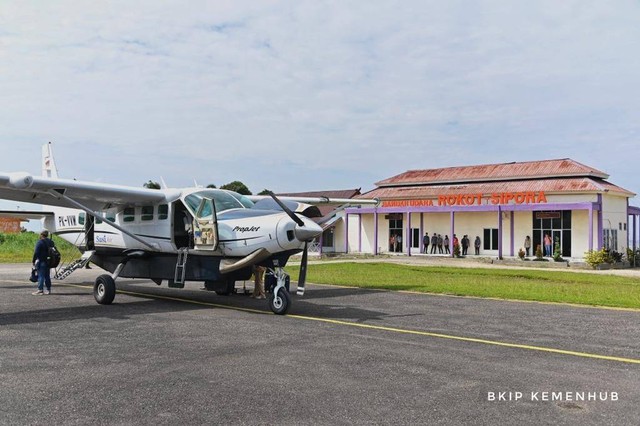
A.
pixel 26 214
pixel 230 265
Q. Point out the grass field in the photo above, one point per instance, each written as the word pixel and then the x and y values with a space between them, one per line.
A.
pixel 544 286
pixel 18 248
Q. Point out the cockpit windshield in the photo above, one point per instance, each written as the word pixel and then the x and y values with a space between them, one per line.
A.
pixel 224 200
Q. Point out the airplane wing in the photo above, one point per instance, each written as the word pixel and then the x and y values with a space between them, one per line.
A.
pixel 56 192
pixel 307 206
pixel 317 200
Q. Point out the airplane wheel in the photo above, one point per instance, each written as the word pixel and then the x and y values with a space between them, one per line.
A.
pixel 104 289
pixel 281 302
pixel 225 288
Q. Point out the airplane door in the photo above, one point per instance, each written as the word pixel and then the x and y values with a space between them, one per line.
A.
pixel 205 226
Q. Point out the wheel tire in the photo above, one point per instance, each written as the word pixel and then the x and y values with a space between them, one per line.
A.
pixel 225 288
pixel 280 303
pixel 104 289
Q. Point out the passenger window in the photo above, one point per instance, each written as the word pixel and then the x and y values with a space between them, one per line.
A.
pixel 129 214
pixel 163 211
pixel 111 216
pixel 81 218
pixel 147 213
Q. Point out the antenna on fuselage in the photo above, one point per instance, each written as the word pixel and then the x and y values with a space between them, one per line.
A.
pixel 163 184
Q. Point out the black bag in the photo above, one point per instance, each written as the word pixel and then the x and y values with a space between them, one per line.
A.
pixel 34 275
pixel 53 256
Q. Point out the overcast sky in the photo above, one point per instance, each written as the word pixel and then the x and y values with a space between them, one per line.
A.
pixel 311 95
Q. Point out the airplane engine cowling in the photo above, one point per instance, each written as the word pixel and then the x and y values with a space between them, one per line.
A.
pixel 21 180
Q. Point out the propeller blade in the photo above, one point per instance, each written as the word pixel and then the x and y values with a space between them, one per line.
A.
pixel 302 278
pixel 286 209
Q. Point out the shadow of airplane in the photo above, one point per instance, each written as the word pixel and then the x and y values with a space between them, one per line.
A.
pixel 163 299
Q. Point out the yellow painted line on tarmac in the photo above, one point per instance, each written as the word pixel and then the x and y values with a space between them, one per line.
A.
pixel 383 328
pixel 471 339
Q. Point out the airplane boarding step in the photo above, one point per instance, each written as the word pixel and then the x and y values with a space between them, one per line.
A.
pixel 181 271
pixel 76 264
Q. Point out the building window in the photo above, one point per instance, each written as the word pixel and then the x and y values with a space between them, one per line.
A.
pixel 415 238
pixel 490 239
pixel 610 239
pixel 395 233
pixel 556 224
pixel 327 238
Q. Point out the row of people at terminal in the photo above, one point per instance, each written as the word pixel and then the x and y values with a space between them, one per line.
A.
pixel 441 245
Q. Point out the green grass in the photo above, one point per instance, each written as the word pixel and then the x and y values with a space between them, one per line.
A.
pixel 18 248
pixel 543 286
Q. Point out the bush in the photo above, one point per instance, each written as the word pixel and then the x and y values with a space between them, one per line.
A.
pixel 539 255
pixel 2 239
pixel 557 254
pixel 633 256
pixel 597 257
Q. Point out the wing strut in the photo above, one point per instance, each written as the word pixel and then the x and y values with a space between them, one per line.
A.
pixel 58 195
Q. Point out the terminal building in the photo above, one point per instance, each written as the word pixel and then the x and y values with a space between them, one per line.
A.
pixel 501 204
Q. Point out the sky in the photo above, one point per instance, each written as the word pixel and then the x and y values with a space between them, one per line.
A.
pixel 310 95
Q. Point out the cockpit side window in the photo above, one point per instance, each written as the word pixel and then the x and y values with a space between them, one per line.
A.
pixel 223 201
pixel 244 200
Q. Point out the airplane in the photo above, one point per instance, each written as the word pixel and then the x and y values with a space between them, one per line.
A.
pixel 209 235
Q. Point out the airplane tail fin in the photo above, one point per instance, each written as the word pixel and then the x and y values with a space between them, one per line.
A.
pixel 49 168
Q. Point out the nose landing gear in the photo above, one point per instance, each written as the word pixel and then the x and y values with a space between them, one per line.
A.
pixel 279 299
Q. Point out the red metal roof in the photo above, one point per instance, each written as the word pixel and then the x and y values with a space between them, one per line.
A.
pixel 565 167
pixel 549 186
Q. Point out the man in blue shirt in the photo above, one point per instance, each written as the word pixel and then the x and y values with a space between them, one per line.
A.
pixel 41 262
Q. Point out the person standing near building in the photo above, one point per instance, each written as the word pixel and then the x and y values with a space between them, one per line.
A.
pixel 476 245
pixel 434 243
pixel 527 245
pixel 392 242
pixel 425 243
pixel 399 242
pixel 547 245
pixel 440 244
pixel 446 244
pixel 41 263
pixel 465 244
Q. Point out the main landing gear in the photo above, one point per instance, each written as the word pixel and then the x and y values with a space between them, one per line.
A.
pixel 104 289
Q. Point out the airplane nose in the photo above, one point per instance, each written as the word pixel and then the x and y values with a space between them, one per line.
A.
pixel 309 231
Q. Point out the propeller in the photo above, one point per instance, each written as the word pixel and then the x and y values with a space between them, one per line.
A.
pixel 302 278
